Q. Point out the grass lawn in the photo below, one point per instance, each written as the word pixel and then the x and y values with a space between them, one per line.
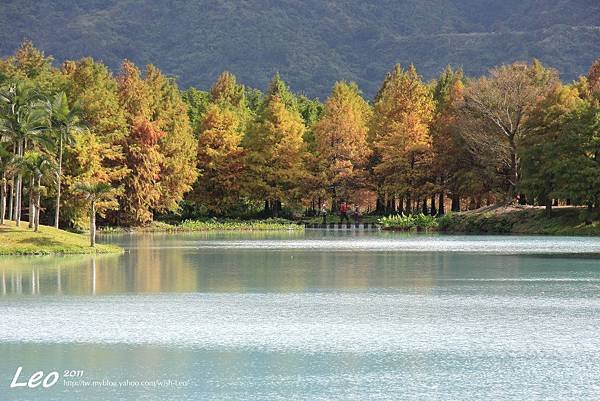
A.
pixel 48 240
pixel 524 220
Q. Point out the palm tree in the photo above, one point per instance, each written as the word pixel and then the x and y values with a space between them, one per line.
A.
pixel 42 166
pixel 22 169
pixel 35 165
pixel 6 170
pixel 66 120
pixel 99 195
pixel 23 118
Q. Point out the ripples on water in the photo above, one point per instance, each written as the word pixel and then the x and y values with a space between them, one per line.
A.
pixel 316 322
pixel 403 243
pixel 274 317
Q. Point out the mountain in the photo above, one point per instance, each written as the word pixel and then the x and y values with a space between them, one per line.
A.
pixel 312 43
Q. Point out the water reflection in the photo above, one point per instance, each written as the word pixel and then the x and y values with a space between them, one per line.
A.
pixel 341 319
pixel 156 263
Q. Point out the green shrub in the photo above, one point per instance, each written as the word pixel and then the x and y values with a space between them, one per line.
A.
pixel 446 222
pixel 274 224
pixel 406 223
pixel 425 222
pixel 399 221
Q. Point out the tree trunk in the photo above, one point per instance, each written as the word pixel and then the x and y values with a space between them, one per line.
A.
pixel 275 208
pixel 58 182
pixel 433 208
pixel 472 204
pixel 408 203
pixel 19 189
pixel 93 225
pixel 11 195
pixel 11 198
pixel 17 205
pixel 548 210
pixel 425 210
pixel 441 205
pixel 379 208
pixel 31 202
pixel 514 177
pixel 455 203
pixel 2 198
pixel 389 208
pixel 401 205
pixel 37 204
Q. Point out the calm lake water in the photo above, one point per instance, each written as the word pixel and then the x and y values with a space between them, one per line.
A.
pixel 307 316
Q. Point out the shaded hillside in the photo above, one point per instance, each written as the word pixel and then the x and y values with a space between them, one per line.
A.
pixel 312 42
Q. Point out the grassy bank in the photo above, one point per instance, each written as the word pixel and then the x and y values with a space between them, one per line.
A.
pixel 502 220
pixel 48 240
pixel 523 220
pixel 488 220
pixel 213 225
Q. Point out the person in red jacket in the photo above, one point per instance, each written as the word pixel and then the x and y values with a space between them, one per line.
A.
pixel 344 212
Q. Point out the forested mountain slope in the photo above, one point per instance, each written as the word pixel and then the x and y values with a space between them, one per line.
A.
pixel 312 43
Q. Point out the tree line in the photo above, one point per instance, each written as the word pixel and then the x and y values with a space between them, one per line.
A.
pixel 518 134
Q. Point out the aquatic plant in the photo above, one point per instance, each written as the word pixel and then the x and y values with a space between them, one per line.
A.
pixel 408 222
pixel 238 225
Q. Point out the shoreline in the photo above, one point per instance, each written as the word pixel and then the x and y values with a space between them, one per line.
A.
pixel 491 220
pixel 523 220
pixel 22 241
pixel 226 225
pixel 495 219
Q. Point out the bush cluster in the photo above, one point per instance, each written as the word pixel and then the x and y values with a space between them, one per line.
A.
pixel 402 222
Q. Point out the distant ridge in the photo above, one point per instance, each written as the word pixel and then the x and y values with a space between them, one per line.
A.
pixel 312 43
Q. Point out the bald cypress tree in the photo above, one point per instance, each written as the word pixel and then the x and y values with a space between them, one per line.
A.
pixel 448 151
pixel 177 146
pixel 341 141
pixel 547 150
pixel 400 135
pixel 141 146
pixel 227 90
pixel 220 156
pixel 96 153
pixel 276 150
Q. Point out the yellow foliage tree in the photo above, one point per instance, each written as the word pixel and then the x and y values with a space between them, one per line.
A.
pixel 341 141
pixel 220 160
pixel 141 146
pixel 226 89
pixel 276 151
pixel 177 146
pixel 400 136
pixel 159 147
pixel 96 153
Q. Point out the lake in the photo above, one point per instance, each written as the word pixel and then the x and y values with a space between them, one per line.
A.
pixel 307 316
